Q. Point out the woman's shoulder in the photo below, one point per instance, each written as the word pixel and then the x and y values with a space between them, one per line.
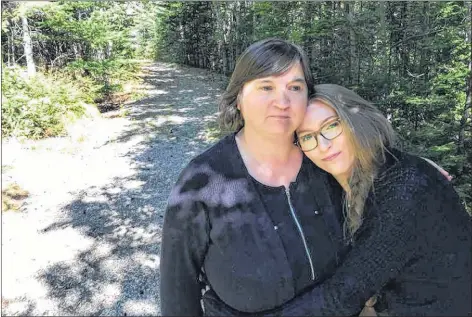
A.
pixel 223 149
pixel 209 172
pixel 216 157
pixel 408 173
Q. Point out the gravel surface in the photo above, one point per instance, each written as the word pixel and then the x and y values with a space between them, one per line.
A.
pixel 87 240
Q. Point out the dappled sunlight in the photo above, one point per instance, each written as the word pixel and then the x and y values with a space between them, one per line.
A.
pixel 156 92
pixel 150 261
pixel 122 218
pixel 184 110
pixel 162 80
pixel 106 254
pixel 171 118
pixel 139 307
pixel 204 98
pixel 93 282
pixel 125 250
pixel 174 116
pixel 19 305
pixel 133 184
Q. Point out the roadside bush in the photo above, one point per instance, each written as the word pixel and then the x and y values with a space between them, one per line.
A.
pixel 102 78
pixel 38 107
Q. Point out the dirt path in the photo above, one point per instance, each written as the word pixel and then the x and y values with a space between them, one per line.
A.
pixel 87 241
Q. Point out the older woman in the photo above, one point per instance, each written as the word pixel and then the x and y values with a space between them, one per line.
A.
pixel 251 222
pixel 410 235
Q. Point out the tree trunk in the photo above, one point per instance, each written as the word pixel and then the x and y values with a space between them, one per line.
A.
pixel 109 49
pixel 404 54
pixel 352 44
pixel 9 46
pixel 230 37
pixel 13 48
pixel 389 53
pixel 220 60
pixel 28 47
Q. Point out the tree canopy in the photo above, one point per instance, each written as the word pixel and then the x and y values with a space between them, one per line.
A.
pixel 412 59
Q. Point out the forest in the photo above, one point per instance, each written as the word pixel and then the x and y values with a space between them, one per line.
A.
pixel 412 59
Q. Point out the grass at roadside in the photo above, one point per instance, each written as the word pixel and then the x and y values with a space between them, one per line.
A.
pixel 13 197
pixel 42 106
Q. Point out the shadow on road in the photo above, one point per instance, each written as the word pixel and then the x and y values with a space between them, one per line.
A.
pixel 119 273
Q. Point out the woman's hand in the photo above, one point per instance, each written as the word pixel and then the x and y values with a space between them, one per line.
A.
pixel 439 168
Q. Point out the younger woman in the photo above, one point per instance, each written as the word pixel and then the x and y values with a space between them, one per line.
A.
pixel 410 235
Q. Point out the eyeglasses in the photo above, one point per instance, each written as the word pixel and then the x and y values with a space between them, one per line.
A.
pixel 329 131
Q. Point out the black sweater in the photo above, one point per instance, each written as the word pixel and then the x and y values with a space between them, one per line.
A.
pixel 414 244
pixel 250 247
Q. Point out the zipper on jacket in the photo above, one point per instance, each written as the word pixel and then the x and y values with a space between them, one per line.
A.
pixel 300 230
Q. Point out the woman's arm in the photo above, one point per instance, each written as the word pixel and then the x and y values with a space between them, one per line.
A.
pixel 385 243
pixel 184 243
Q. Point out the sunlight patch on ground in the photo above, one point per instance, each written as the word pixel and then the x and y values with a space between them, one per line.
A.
pixel 151 261
pixel 133 184
pixel 183 110
pixel 165 80
pixel 177 119
pixel 67 242
pixel 15 306
pixel 140 307
pixel 144 86
pixel 96 199
pixel 109 294
pixel 63 246
pixel 147 210
pixel 103 249
pixel 114 265
pixel 114 190
pixel 166 119
pixel 68 249
pixel 157 92
pixel 203 98
pixel 135 235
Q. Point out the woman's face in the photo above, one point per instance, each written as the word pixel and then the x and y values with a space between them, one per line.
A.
pixel 335 156
pixel 275 104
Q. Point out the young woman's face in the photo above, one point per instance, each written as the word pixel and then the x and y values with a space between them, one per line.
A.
pixel 335 156
pixel 276 104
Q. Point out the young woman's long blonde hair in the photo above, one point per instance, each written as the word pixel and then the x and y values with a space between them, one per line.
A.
pixel 370 134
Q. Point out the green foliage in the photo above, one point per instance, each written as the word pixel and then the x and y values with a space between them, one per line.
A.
pixel 97 29
pixel 146 29
pixel 84 51
pixel 410 58
pixel 38 107
pixel 101 78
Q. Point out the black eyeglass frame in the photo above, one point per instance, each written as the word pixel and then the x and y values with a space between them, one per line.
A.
pixel 315 135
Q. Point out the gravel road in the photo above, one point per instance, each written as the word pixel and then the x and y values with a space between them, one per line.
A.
pixel 87 240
